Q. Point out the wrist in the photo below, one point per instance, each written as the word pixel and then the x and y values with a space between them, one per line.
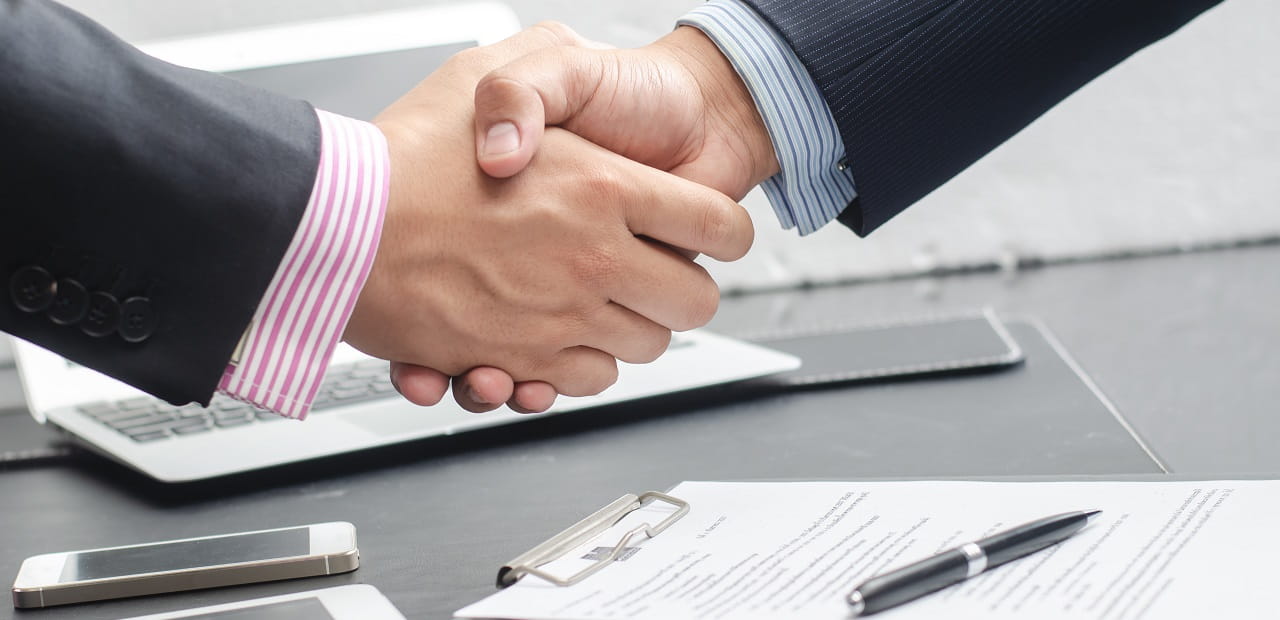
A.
pixel 727 102
pixel 364 323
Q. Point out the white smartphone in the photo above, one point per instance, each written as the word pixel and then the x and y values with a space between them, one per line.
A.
pixel 187 564
pixel 354 602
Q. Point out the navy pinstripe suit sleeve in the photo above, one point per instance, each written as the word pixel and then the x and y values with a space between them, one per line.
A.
pixel 921 89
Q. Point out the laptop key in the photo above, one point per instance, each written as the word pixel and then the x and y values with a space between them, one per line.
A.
pixel 351 384
pixel 190 429
pixel 369 373
pixel 98 410
pixel 230 422
pixel 148 419
pixel 192 411
pixel 351 393
pixel 152 436
pixel 153 408
pixel 133 418
pixel 229 415
pixel 242 411
pixel 141 402
pixel 225 403
pixel 121 417
pixel 143 425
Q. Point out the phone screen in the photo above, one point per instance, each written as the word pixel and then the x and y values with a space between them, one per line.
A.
pixel 186 554
pixel 301 609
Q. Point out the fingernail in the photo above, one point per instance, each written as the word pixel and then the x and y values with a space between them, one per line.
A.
pixel 502 138
pixel 475 398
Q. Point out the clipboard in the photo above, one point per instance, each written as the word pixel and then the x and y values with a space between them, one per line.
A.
pixel 554 548
pixel 795 549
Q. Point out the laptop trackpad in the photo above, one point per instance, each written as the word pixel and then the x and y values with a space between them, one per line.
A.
pixel 402 420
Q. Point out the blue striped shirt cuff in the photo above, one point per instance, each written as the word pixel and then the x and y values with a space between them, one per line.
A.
pixel 813 186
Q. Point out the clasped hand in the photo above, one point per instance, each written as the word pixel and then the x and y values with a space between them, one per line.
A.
pixel 531 274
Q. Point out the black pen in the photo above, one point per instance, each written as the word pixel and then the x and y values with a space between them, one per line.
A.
pixel 955 565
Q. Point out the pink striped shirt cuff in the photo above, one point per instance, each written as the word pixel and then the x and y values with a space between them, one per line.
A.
pixel 300 321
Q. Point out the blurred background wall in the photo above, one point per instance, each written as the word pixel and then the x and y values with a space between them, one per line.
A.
pixel 1177 148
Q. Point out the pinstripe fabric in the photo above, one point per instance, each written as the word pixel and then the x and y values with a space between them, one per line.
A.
pixel 305 310
pixel 811 189
pixel 921 89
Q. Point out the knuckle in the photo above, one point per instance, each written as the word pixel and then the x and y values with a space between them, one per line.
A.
pixel 741 230
pixel 602 184
pixel 555 32
pixel 469 56
pixel 492 86
pixel 701 307
pixel 586 372
pixel 605 374
pixel 470 61
pixel 496 91
pixel 594 265
pixel 715 226
pixel 565 325
pixel 724 230
pixel 571 322
pixel 654 347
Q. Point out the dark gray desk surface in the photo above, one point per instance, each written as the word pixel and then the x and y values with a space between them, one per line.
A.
pixel 1182 344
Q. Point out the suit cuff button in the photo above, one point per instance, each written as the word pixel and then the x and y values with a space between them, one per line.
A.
pixel 103 316
pixel 138 319
pixel 70 303
pixel 32 289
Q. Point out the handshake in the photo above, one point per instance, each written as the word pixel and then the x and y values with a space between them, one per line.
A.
pixel 547 198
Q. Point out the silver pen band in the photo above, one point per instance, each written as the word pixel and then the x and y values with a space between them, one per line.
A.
pixel 976 557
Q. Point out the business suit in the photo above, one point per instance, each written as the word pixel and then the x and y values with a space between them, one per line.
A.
pixel 921 89
pixel 143 207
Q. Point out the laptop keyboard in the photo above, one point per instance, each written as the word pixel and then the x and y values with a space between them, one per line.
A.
pixel 145 419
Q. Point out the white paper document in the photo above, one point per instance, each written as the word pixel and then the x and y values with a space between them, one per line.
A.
pixel 1159 550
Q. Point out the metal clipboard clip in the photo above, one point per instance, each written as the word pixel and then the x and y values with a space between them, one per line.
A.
pixel 555 547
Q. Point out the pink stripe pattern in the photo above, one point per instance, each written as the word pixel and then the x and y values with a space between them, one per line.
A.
pixel 306 307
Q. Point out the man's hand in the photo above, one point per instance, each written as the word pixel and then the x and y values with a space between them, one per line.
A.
pixel 677 105
pixel 543 276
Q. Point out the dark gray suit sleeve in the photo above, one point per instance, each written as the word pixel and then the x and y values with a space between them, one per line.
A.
pixel 921 89
pixel 143 207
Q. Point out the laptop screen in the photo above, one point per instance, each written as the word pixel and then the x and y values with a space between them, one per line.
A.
pixel 355 86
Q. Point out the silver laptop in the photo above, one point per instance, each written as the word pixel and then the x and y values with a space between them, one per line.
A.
pixel 353 66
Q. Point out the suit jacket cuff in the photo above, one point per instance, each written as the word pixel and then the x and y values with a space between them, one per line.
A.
pixel 301 318
pixel 814 184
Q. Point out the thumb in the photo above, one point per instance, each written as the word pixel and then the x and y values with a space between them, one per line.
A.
pixel 515 102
